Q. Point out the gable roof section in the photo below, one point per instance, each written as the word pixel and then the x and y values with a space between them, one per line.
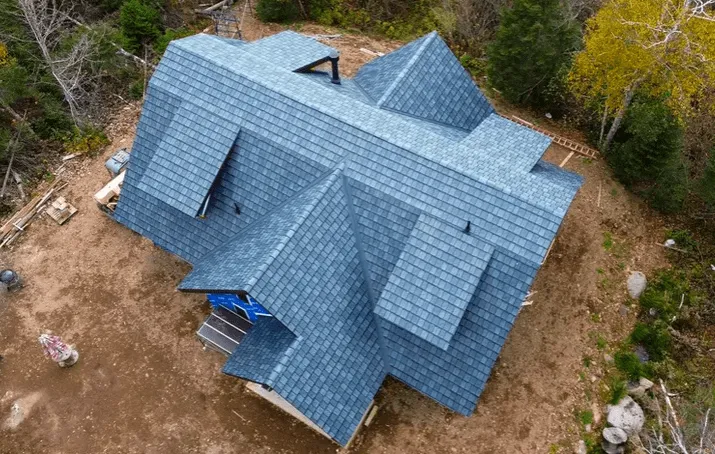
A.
pixel 188 158
pixel 263 352
pixel 379 76
pixel 239 263
pixel 433 281
pixel 290 50
pixel 456 377
pixel 498 139
pixel 425 80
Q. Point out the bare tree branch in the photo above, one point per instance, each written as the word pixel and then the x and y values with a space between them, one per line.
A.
pixel 48 23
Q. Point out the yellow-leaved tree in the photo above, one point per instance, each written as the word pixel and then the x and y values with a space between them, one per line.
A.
pixel 665 48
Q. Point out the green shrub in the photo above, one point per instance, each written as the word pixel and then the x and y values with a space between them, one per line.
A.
pixel 85 141
pixel 628 363
pixel 136 90
pixel 619 390
pixel 532 46
pixel 169 35
pixel 654 337
pixel 646 155
pixel 663 294
pixel 705 187
pixel 140 24
pixel 683 239
pixel 277 10
pixel 585 417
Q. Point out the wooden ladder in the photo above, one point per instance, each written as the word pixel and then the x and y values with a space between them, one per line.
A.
pixel 563 141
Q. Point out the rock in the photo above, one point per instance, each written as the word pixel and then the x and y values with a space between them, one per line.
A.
pixel 581 448
pixel 669 242
pixel 636 284
pixel 596 414
pixel 610 448
pixel 623 310
pixel 641 353
pixel 627 415
pixel 608 358
pixel 615 435
pixel 639 388
pixel 587 428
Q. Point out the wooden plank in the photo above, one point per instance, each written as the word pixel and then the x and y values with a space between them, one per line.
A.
pixel 111 189
pixel 60 210
pixel 563 163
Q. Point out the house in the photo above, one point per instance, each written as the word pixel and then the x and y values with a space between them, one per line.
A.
pixel 390 224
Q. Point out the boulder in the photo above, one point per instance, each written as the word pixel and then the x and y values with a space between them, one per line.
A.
pixel 581 448
pixel 639 388
pixel 615 435
pixel 627 415
pixel 610 448
pixel 636 284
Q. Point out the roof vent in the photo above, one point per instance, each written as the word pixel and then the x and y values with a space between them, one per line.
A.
pixel 468 228
pixel 334 57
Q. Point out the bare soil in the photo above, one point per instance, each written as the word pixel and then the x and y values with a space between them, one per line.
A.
pixel 145 385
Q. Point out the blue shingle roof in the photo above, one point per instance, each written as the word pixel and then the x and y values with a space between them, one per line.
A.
pixel 425 80
pixel 188 158
pixel 433 281
pixel 290 50
pixel 338 213
pixel 263 352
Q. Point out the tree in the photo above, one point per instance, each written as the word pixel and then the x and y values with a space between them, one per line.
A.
pixel 658 47
pixel 67 60
pixel 706 185
pixel 277 10
pixel 647 154
pixel 533 42
pixel 140 23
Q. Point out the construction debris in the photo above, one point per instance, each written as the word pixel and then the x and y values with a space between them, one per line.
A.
pixel 106 196
pixel 60 210
pixel 371 52
pixel 17 224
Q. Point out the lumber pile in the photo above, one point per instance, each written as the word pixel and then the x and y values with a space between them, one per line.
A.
pixel 19 222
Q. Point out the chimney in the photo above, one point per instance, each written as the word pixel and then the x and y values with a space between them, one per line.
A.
pixel 334 57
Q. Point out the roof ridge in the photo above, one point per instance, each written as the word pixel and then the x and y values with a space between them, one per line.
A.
pixel 314 105
pixel 428 39
pixel 329 181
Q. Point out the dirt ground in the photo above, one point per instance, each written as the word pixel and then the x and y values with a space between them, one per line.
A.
pixel 145 385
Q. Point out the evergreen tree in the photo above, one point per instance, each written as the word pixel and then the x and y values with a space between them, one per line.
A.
pixel 140 23
pixel 532 45
pixel 647 154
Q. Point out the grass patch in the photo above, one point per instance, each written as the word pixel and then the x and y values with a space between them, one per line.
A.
pixel 585 417
pixel 654 337
pixel 601 342
pixel 619 390
pixel 628 363
pixel 607 241
pixel 587 361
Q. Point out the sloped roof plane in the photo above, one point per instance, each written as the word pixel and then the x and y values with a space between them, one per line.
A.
pixel 433 281
pixel 189 157
pixel 425 80
pixel 329 205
